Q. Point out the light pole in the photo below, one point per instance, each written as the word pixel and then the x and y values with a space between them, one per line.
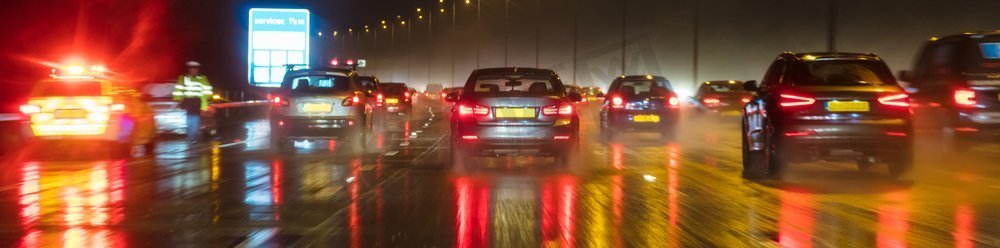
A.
pixel 479 4
pixel 831 29
pixel 576 31
pixel 506 30
pixel 624 27
pixel 538 30
pixel 694 59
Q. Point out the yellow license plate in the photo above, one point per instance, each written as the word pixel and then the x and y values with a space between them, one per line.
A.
pixel 592 98
pixel 70 113
pixel 646 118
pixel 317 107
pixel 515 113
pixel 852 106
pixel 391 100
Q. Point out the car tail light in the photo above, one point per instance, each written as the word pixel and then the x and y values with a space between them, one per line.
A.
pixel 674 102
pixel 965 97
pixel 710 101
pixel 379 99
pixel 29 109
pixel 351 101
pixel 898 100
pixel 443 95
pixel 799 133
pixel 279 101
pixel 476 110
pixel 897 134
pixel 789 100
pixel 617 102
pixel 561 137
pixel 470 137
pixel 745 100
pixel 557 110
pixel 406 94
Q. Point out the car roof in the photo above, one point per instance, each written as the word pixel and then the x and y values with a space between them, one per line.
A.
pixel 968 36
pixel 515 70
pixel 312 71
pixel 723 82
pixel 823 56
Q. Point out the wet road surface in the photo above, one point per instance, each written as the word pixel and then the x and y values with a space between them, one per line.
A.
pixel 637 192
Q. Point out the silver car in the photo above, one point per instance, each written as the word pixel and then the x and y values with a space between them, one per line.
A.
pixel 324 103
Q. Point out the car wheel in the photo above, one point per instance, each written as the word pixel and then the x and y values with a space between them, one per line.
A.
pixel 776 163
pixel 754 162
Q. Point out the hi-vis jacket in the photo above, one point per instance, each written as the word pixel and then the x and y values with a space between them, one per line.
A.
pixel 193 87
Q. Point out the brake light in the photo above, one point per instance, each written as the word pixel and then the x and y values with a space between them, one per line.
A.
pixel 898 100
pixel 617 102
pixel 470 137
pixel 710 101
pixel 443 95
pixel 965 97
pixel 278 101
pixel 474 110
pixel 897 134
pixel 799 133
pixel 406 94
pixel 561 137
pixel 380 97
pixel 674 102
pixel 788 100
pixel 354 100
pixel 29 109
pixel 557 110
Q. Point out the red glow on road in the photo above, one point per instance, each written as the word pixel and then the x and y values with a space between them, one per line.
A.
pixel 797 220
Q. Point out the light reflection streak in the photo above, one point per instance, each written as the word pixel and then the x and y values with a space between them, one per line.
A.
pixel 893 219
pixel 558 212
pixel 965 226
pixel 471 213
pixel 797 217
pixel 617 158
pixel 673 156
pixel 354 214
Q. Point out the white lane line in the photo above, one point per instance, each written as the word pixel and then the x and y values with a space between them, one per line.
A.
pixel 391 153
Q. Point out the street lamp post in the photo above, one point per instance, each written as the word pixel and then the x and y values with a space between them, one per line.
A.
pixel 506 30
pixel 624 27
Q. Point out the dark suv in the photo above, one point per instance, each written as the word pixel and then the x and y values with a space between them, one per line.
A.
pixel 812 106
pixel 398 98
pixel 640 103
pixel 961 73
pixel 512 111
pixel 320 104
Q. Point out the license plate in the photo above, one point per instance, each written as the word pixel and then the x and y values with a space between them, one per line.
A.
pixel 852 106
pixel 515 113
pixel 70 113
pixel 317 107
pixel 646 118
pixel 391 100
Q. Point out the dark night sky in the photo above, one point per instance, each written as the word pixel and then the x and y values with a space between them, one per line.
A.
pixel 148 40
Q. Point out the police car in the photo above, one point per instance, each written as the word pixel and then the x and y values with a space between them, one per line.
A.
pixel 80 105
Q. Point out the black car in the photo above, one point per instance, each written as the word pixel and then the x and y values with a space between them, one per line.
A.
pixel 398 98
pixel 723 98
pixel 320 104
pixel 514 111
pixel 640 103
pixel 812 106
pixel 961 73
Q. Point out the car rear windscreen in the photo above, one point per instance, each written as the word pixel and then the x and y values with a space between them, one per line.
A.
pixel 725 88
pixel 319 84
pixel 68 88
pixel 640 87
pixel 391 88
pixel 515 84
pixel 986 56
pixel 841 73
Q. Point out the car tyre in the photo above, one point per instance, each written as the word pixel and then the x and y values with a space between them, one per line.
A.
pixel 754 162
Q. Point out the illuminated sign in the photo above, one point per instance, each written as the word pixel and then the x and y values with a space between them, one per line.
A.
pixel 278 37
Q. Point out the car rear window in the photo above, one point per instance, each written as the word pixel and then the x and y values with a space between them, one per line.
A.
pixel 985 56
pixel 640 87
pixel 515 84
pixel 841 73
pixel 68 88
pixel 394 88
pixel 319 84
pixel 725 87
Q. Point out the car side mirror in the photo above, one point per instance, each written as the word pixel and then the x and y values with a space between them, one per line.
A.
pixel 751 86
pixel 575 97
pixel 451 97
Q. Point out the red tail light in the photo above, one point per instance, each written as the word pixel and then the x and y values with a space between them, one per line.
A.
pixel 476 110
pixel 710 101
pixel 470 137
pixel 674 102
pixel 278 101
pixel 745 99
pixel 379 99
pixel 557 110
pixel 788 100
pixel 617 102
pixel 898 100
pixel 443 95
pixel 351 101
pixel 965 98
pixel 406 94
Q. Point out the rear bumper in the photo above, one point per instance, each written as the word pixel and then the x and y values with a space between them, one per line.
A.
pixel 111 131
pixel 875 137
pixel 621 120
pixel 983 123
pixel 514 140
pixel 315 127
pixel 493 147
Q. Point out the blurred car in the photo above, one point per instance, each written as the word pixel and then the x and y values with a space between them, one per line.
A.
pixel 724 98
pixel 643 103
pixel 593 94
pixel 433 91
pixel 961 73
pixel 80 105
pixel 371 87
pixel 398 98
pixel 512 111
pixel 320 103
pixel 450 90
pixel 170 118
pixel 813 106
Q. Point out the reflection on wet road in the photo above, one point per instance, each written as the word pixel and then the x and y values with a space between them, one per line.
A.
pixel 638 192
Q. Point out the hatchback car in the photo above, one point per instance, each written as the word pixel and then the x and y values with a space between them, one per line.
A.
pixel 513 111
pixel 961 73
pixel 722 98
pixel 640 103
pixel 398 98
pixel 813 106
pixel 320 104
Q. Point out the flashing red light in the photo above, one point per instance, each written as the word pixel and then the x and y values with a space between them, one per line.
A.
pixel 350 62
pixel 965 98
pixel 788 100
pixel 334 62
pixel 474 110
pixel 898 100
pixel 561 137
pixel 897 134
pixel 470 137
